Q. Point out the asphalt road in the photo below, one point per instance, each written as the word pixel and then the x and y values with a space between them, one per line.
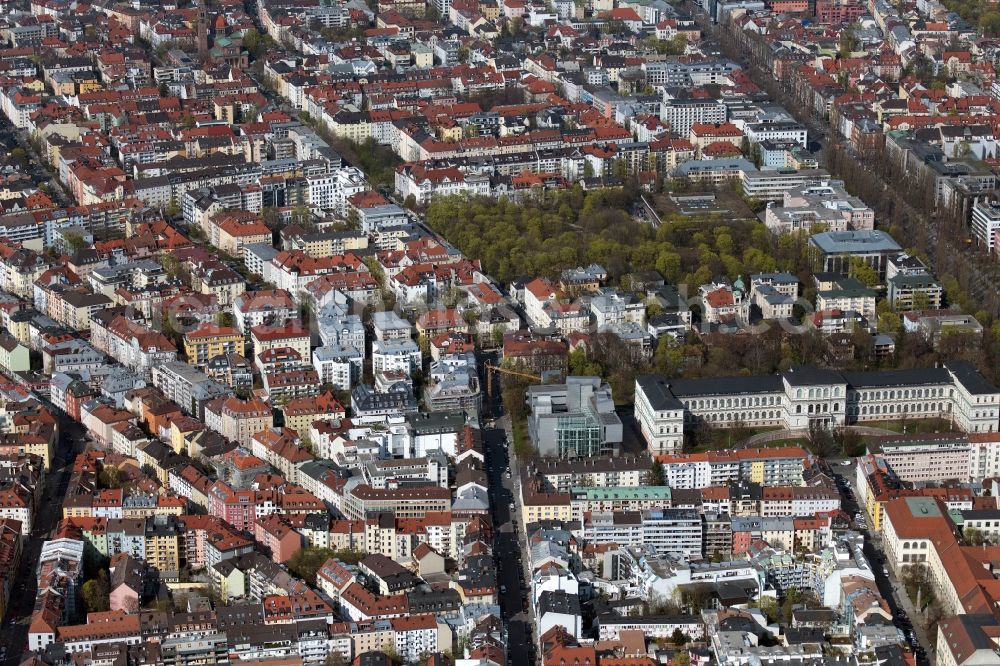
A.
pixel 508 551
pixel 14 636
pixel 37 167
pixel 891 589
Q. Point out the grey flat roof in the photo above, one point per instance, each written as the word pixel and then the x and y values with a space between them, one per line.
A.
pixel 854 242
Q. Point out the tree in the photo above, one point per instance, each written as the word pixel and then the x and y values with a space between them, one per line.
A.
pixel 307 561
pixel 821 441
pixel 74 241
pixel 989 23
pixel 579 364
pixel 255 43
pixel 681 658
pixel 974 537
pixel 306 441
pixel 850 442
pixel 95 593
pixel 20 156
pixel 348 556
pixel 334 658
pixel 655 475
pixel 110 477
pixel 889 322
pixel 769 607
pixel 848 42
pixel 496 336
pixel 792 597
pixel 172 209
pixel 863 272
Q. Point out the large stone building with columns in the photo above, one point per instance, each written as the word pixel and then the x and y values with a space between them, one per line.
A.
pixel 806 396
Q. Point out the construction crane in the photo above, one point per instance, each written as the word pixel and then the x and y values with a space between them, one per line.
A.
pixel 490 369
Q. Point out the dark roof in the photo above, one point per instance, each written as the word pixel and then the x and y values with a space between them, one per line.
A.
pixel 740 623
pixel 433 601
pixel 657 391
pixel 810 375
pixel 735 385
pixel 905 377
pixel 981 514
pixel 970 378
pixel 799 635
pixel 558 602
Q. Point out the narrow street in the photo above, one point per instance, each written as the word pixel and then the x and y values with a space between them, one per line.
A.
pixel 37 166
pixel 14 636
pixel 510 542
pixel 891 589
pixel 508 549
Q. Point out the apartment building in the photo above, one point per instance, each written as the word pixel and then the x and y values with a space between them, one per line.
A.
pixel 208 341
pixel 187 387
pixel 585 500
pixel 238 420
pixel 768 467
pixel 288 334
pixel 620 471
pixel 361 501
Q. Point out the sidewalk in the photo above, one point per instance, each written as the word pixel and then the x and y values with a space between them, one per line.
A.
pixel 522 529
pixel 916 618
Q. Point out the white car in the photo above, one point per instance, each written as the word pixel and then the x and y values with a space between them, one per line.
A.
pixel 847 463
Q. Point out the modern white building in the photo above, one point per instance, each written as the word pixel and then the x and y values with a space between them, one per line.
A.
pixel 680 113
pixel 338 365
pixel 777 131
pixel 673 531
pixel 330 191
pixel 986 222
pixel 395 356
pixel 771 184
pixel 613 308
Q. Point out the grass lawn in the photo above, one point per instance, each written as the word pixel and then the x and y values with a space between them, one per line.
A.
pixel 712 439
pixel 776 444
pixel 926 595
pixel 912 426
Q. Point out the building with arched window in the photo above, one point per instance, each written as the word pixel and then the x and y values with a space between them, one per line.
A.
pixel 807 397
